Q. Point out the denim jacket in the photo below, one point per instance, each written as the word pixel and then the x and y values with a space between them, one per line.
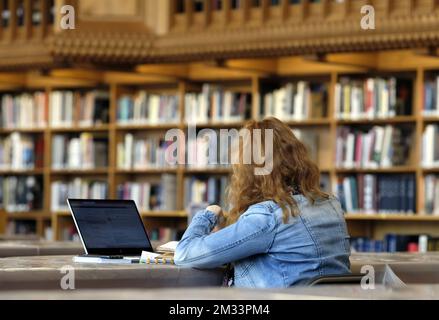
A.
pixel 265 251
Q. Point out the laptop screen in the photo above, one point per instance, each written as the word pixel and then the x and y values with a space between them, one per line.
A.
pixel 110 226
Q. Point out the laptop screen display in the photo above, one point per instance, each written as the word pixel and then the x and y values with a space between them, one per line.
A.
pixel 110 226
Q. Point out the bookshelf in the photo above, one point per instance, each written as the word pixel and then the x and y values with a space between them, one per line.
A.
pixel 255 84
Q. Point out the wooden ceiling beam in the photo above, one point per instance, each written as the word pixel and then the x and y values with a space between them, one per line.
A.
pixel 408 59
pixel 40 81
pixel 79 74
pixel 252 65
pixel 137 78
pixel 12 79
pixel 361 60
pixel 301 66
pixel 172 70
pixel 212 71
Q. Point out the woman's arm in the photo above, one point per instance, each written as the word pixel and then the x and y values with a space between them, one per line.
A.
pixel 252 234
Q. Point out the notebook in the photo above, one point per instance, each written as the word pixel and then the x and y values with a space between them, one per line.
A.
pixel 156 258
pixel 168 247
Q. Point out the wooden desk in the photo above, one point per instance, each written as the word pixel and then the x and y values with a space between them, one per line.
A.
pixel 411 268
pixel 333 292
pixel 43 273
pixel 25 248
pixel 38 248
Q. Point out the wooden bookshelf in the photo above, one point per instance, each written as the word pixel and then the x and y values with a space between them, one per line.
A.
pixel 397 169
pixel 379 121
pixel 29 215
pixel 30 172
pixel 99 128
pixel 163 214
pixel 149 78
pixel 80 172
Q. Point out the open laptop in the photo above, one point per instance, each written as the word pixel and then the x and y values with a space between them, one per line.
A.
pixel 110 230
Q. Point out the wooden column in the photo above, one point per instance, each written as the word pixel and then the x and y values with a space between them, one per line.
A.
pixel 12 19
pixel 112 141
pixel 171 14
pixel 3 221
pixel 245 11
pixel 265 7
pixel 1 20
pixel 28 18
pixel 182 89
pixel 411 6
pixel 346 7
pixel 332 129
pixel 44 18
pixel 47 179
pixel 47 154
pixel 207 10
pixel 388 7
pixel 256 98
pixel 304 9
pixel 325 8
pixel 417 110
pixel 189 13
pixel 226 11
pixel 285 9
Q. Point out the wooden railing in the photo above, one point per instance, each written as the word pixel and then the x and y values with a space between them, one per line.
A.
pixel 183 30
pixel 29 19
pixel 193 14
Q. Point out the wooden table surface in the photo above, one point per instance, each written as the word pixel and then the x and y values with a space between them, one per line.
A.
pixel 45 272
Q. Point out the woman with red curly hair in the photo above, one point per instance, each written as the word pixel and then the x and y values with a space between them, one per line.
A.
pixel 282 230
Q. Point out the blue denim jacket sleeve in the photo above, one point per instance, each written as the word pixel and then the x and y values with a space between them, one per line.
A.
pixel 252 234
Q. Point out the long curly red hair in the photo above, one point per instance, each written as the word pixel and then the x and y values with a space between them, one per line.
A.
pixel 292 170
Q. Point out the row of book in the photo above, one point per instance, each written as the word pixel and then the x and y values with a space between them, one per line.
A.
pixel 27 229
pixel 21 151
pixel 372 98
pixel 354 99
pixel 380 147
pixel 210 190
pixel 79 152
pixel 371 194
pixel 431 101
pixel 431 194
pixel 21 194
pixel 75 108
pixel 214 104
pixel 151 196
pixel 296 102
pixel 208 150
pixel 430 146
pixel 396 243
pixel 78 189
pixel 311 140
pixel 21 228
pixel 140 152
pixel 23 111
pixel 148 109
pixel 205 150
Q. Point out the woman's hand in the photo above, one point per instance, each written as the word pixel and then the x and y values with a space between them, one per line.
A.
pixel 221 215
pixel 217 210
